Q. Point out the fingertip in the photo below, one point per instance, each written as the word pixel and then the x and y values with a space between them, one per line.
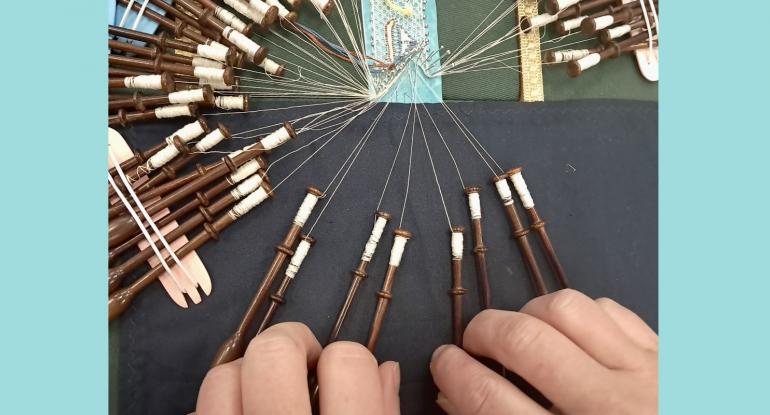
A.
pixel 439 350
pixel 345 352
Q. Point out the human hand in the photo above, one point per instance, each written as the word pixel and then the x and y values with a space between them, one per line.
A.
pixel 585 356
pixel 271 378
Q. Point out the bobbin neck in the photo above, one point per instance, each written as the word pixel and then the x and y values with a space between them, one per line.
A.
pixel 382 214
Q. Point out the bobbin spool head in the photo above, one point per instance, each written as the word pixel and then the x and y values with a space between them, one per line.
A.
pixel 402 232
pixel 458 229
pixel 167 82
pixel 260 55
pixel 560 28
pixel 588 26
pixel 549 56
pixel 472 189
pixel 249 29
pixel 513 171
pixel 287 125
pixel 312 190
pixel 382 214
pixel 573 69
pixel 496 178
pixel 328 8
pixel 204 126
pixel 208 94
pixel 271 16
pixel 225 131
pixel 268 187
pixel 551 6
pixel 229 76
pixel 279 72
pixel 137 98
pixel 292 17
pixel 309 239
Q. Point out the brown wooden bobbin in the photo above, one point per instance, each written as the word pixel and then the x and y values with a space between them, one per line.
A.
pixel 479 249
pixel 457 291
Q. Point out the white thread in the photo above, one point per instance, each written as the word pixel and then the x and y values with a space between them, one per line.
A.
pixel 260 6
pixel 162 157
pixel 569 55
pixel 248 186
pixel 244 206
pixel 245 9
pixel 589 61
pixel 186 97
pixel 305 209
pixel 206 62
pixel 210 140
pixel 374 238
pixel 457 244
pixel 474 203
pixel 572 24
pixel 504 191
pixel 563 4
pixel 276 138
pixel 296 260
pixel 171 111
pixel 144 81
pixel 542 20
pixel 270 66
pixel 616 32
pixel 230 19
pixel 282 11
pixel 247 169
pixel 397 251
pixel 215 84
pixel 236 152
pixel 521 188
pixel 190 131
pixel 229 102
pixel 602 22
pixel 213 74
pixel 320 4
pixel 241 41
pixel 212 52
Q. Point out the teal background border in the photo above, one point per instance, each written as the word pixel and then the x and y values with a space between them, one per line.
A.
pixel 714 221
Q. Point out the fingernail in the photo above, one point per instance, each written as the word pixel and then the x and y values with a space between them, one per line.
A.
pixel 396 377
pixel 438 351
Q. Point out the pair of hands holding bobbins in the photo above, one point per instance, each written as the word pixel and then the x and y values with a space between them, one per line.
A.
pixel 586 356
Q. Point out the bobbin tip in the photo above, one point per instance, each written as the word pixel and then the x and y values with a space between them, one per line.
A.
pixel 328 8
pixel 287 125
pixel 402 232
pixel 383 214
pixel 279 72
pixel 292 17
pixel 208 94
pixel 260 55
pixel 314 191
pixel 245 102
pixel 496 178
pixel 552 6
pixel 249 29
pixel 549 57
pixel 225 130
pixel 588 26
pixel 167 82
pixel 308 238
pixel 573 69
pixel 204 126
pixel 513 171
pixel 228 76
pixel 271 15
pixel 268 188
pixel 472 189
pixel 458 229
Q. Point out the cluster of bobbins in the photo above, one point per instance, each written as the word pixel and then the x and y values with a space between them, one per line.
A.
pixel 148 193
pixel 190 64
pixel 620 27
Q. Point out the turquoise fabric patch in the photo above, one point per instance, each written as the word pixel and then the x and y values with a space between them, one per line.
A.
pixel 403 33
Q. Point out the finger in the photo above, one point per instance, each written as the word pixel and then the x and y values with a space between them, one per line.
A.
pixel 468 387
pixel 587 325
pixel 220 391
pixel 390 379
pixel 274 373
pixel 349 380
pixel 630 323
pixel 545 358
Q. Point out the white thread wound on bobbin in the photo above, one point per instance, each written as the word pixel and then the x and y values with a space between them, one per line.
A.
pixel 616 32
pixel 186 97
pixel 374 239
pixel 229 102
pixel 260 6
pixel 572 24
pixel 397 251
pixel 206 63
pixel 245 9
pixel 244 206
pixel 249 185
pixel 270 66
pixel 230 19
pixel 241 41
pixel 214 74
pixel 189 132
pixel 162 157
pixel 504 191
pixel 210 140
pixel 563 4
pixel 474 204
pixel 144 81
pixel 589 61
pixel 296 260
pixel 569 55
pixel 282 11
pixel 171 111
pixel 521 188
pixel 602 22
pixel 275 139
pixel 542 20
pixel 457 245
pixel 247 169
pixel 305 209
pixel 212 52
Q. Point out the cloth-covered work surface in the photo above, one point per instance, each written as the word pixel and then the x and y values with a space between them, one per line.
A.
pixel 591 168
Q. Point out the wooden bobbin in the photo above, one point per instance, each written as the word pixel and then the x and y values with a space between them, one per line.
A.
pixel 520 233
pixel 611 50
pixel 279 297
pixel 479 249
pixel 123 118
pixel 167 82
pixel 359 274
pixel 590 25
pixel 179 29
pixel 457 291
pixel 400 237
pixel 234 346
pixel 122 298
pixel 537 224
